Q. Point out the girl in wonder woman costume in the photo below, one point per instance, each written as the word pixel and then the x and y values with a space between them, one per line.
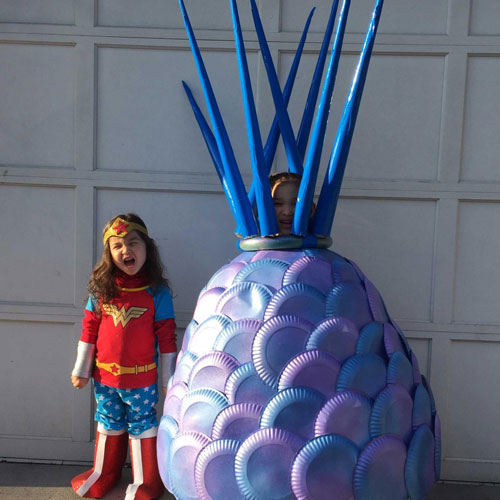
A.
pixel 128 315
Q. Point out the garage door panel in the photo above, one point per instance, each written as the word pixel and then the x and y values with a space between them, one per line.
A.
pixel 39 12
pixel 484 15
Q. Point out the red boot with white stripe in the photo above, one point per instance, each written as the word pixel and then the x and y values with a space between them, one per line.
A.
pixel 109 458
pixel 147 483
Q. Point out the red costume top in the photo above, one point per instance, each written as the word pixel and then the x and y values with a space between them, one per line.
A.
pixel 127 332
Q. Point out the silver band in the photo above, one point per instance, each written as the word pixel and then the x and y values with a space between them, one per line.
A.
pixel 167 363
pixel 84 360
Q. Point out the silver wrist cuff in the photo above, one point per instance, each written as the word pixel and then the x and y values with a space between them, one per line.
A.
pixel 167 363
pixel 84 360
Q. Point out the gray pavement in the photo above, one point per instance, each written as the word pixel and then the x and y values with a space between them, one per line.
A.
pixel 51 482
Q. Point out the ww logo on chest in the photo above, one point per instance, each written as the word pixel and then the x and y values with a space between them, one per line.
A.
pixel 123 315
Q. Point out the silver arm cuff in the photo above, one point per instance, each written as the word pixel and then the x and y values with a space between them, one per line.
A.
pixel 167 363
pixel 84 360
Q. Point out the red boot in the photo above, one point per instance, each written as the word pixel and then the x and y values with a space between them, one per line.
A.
pixel 147 482
pixel 109 457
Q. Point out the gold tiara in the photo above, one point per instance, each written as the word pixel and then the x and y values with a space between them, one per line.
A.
pixel 121 228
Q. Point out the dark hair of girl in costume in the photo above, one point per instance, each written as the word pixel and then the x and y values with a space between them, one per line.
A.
pixel 102 284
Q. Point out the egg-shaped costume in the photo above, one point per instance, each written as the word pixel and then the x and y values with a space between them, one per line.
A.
pixel 293 381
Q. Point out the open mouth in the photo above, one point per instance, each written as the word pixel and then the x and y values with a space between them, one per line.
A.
pixel 129 263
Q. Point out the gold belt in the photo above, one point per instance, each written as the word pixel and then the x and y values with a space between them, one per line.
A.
pixel 116 369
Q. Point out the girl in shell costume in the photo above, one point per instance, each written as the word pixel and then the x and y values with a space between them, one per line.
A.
pixel 293 381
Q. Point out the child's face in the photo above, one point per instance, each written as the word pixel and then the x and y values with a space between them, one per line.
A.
pixel 128 253
pixel 285 199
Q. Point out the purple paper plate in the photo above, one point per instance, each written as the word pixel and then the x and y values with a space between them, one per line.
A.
pixel 211 371
pixel 392 413
pixel 203 339
pixel 322 254
pixel 214 471
pixel 225 275
pixel 285 255
pixel 237 421
pixel 323 469
pixel 207 301
pixel 417 377
pixel 400 371
pixel 338 336
pixel 172 405
pixel 371 340
pixel 315 369
pixel 293 409
pixel 267 272
pixel 422 411
pixel 236 339
pixel 183 369
pixel 344 272
pixel 437 449
pixel 277 341
pixel 379 473
pixel 167 431
pixel 310 271
pixel 263 461
pixel 244 301
pixel 245 386
pixel 392 340
pixel 349 300
pixel 375 302
pixel 431 395
pixel 191 328
pixel 347 414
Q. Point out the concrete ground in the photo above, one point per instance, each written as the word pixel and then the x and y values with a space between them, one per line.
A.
pixel 51 482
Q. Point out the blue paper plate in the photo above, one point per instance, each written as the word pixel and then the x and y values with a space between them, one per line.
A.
pixel 437 449
pixel 245 386
pixel 311 271
pixel 392 340
pixel 344 272
pixel 236 339
pixel 321 253
pixel 244 301
pixel 237 421
pixel 211 371
pixel 199 409
pixel 167 431
pixel 191 328
pixel 303 300
pixel 419 470
pixel 422 411
pixel 323 469
pixel 267 272
pixel 402 338
pixel 375 302
pixel 431 395
pixel 349 300
pixel 184 365
pixel 203 339
pixel 417 378
pixel 392 413
pixel 277 341
pixel 285 255
pixel 371 340
pixel 207 301
pixel 175 394
pixel 338 336
pixel 379 473
pixel 225 275
pixel 263 461
pixel 214 471
pixel 293 409
pixel 365 373
pixel 400 371
pixel 315 369
pixel 347 414
pixel 358 271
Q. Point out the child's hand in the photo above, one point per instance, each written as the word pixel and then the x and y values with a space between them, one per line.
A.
pixel 79 382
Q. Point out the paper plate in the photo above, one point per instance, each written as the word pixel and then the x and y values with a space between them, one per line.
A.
pixel 294 409
pixel 286 255
pixel 175 394
pixel 402 338
pixel 199 409
pixel 267 272
pixel 323 469
pixel 338 336
pixel 214 471
pixel 363 372
pixel 211 371
pixel 360 274
pixel 375 302
pixel 422 412
pixel 392 413
pixel 244 257
pixel 392 340
pixel 206 304
pixel 417 378
pixel 244 300
pixel 245 386
pixel 263 461
pixel 400 371
pixel 310 271
pixel 303 300
pixel 225 275
pixel 236 339
pixel 371 340
pixel 431 395
pixel 349 300
pixel 277 341
pixel 184 451
pixel 379 473
pixel 203 339
pixel 437 449
pixel 419 470
pixel 191 328
pixel 237 421
pixel 322 253
pixel 167 431
pixel 183 369
pixel 347 413
pixel 314 368
pixel 344 272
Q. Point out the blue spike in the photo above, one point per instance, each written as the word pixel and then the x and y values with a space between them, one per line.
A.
pixel 308 182
pixel 245 223
pixel 274 131
pixel 265 209
pixel 327 203
pixel 294 160
pixel 307 117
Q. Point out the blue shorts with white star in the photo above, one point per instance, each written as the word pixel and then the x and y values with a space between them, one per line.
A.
pixel 133 409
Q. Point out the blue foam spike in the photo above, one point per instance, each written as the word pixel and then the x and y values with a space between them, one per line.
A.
pixel 308 182
pixel 307 117
pixel 327 203
pixel 265 209
pixel 245 223
pixel 294 160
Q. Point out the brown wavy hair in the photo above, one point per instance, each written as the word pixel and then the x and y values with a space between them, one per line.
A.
pixel 278 178
pixel 102 285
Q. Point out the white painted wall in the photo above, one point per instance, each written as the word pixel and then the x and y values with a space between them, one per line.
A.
pixel 93 121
